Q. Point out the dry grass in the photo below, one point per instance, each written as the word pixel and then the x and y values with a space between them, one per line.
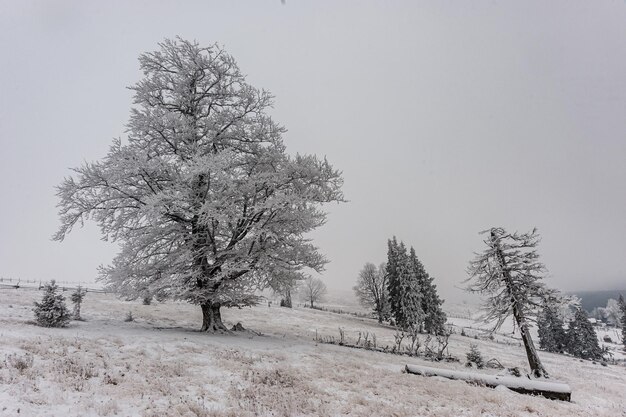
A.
pixel 107 367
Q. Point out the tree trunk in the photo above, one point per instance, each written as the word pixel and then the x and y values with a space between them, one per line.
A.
pixel 288 298
pixel 536 367
pixel 533 359
pixel 311 302
pixel 212 318
pixel 552 390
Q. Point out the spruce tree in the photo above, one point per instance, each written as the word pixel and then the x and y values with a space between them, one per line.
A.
pixel 552 336
pixel 52 311
pixel 582 340
pixel 622 307
pixel 404 292
pixel 474 356
pixel 434 317
pixel 77 298
pixel 393 280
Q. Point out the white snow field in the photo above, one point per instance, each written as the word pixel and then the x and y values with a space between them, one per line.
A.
pixel 159 365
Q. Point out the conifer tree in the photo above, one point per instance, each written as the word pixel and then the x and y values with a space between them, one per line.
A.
pixel 474 356
pixel 52 311
pixel 509 273
pixel 434 317
pixel 393 280
pixel 552 336
pixel 77 298
pixel 582 340
pixel 405 299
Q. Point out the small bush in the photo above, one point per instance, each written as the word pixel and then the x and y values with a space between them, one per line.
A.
pixel 474 356
pixel 21 363
pixel 52 311
pixel 129 316
pixel 77 298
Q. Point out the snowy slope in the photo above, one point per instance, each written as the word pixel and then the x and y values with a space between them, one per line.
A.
pixel 159 365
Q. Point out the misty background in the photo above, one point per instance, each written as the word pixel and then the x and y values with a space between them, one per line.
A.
pixel 446 118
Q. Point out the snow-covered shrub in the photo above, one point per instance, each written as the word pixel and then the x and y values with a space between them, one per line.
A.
pixel 77 298
pixel 52 311
pixel 474 356
pixel 21 363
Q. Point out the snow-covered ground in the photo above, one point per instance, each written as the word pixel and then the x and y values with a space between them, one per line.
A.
pixel 159 365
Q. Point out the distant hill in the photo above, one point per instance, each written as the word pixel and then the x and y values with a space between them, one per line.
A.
pixel 593 299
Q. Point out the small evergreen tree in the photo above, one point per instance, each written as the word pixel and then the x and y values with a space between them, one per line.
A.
pixel 77 298
pixel 582 340
pixel 552 336
pixel 52 311
pixel 474 356
pixel 622 307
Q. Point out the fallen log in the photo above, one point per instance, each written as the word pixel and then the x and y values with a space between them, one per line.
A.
pixel 551 390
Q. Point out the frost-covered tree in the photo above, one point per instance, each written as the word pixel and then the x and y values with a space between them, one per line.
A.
pixel 612 312
pixel 405 298
pixel 434 317
pixel 285 284
pixel 313 290
pixel 77 299
pixel 622 307
pixel 474 356
pixel 201 195
pixel 52 311
pixel 371 289
pixel 509 273
pixel 551 329
pixel 582 340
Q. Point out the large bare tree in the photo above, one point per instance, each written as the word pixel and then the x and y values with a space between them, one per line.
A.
pixel 206 204
pixel 509 273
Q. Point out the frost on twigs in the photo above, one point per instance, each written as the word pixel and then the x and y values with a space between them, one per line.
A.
pixel 509 274
pixel 202 197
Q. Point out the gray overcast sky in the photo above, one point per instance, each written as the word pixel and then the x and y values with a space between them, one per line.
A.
pixel 446 117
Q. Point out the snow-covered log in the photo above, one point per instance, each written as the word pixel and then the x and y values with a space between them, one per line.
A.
pixel 552 390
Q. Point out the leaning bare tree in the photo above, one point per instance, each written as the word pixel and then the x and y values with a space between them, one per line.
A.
pixel 201 195
pixel 313 290
pixel 371 289
pixel 509 273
